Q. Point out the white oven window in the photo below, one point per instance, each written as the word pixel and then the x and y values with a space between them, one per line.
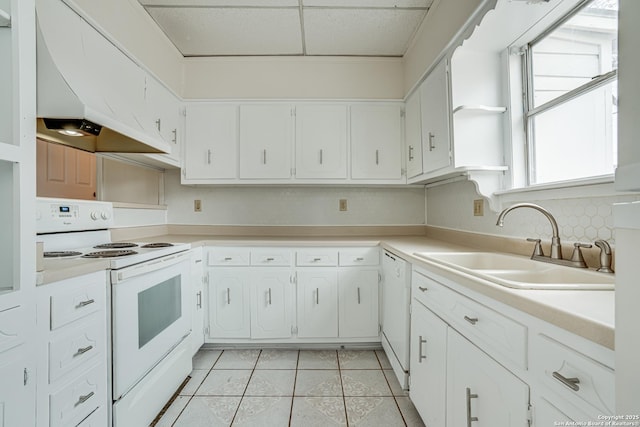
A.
pixel 158 308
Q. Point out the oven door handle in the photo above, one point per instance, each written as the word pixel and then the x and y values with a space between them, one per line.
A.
pixel 118 276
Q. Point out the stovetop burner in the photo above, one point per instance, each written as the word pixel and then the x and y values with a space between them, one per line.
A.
pixel 109 254
pixel 156 245
pixel 61 254
pixel 120 245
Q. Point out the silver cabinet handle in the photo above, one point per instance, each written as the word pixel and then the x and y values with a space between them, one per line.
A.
pixel 321 156
pixel 269 259
pixel 420 355
pixel 85 303
pixel 472 320
pixel 264 156
pixel 317 296
pixel 269 294
pixel 572 383
pixel 84 398
pixel 432 145
pixel 228 258
pixel 82 350
pixel 423 289
pixel 358 295
pixel 470 396
pixel 175 136
pixel 208 157
pixel 316 259
pixel 377 157
pixel 199 299
pixel 359 259
pixel 410 153
pixel 228 296
pixel 158 123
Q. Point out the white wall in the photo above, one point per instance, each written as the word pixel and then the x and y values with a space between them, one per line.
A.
pixel 127 217
pixel 580 219
pixel 294 77
pixel 292 205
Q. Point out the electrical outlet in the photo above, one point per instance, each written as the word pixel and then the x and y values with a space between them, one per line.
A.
pixel 478 207
pixel 197 205
pixel 343 205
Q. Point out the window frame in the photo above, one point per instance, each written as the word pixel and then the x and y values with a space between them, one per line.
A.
pixel 530 112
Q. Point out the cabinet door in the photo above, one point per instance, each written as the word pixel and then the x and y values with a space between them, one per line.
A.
pixel 271 303
pixel 197 319
pixel 435 112
pixel 321 141
pixel 16 405
pixel 358 302
pixel 428 364
pixel 65 172
pixel 481 391
pixel 266 138
pixel 229 310
pixel 163 115
pixel 211 134
pixel 376 142
pixel 317 303
pixel 413 135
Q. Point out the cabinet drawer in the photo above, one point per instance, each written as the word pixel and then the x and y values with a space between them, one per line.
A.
pixel 77 302
pixel 75 347
pixel 228 256
pixel 11 328
pixel 76 401
pixel 572 374
pixel 359 256
pixel 498 335
pixel 316 257
pixel 271 257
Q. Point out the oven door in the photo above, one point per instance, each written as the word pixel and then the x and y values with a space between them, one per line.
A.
pixel 150 307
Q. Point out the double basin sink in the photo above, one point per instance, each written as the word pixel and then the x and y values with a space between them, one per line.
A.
pixel 520 272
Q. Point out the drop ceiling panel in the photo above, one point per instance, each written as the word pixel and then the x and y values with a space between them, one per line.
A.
pixel 369 3
pixel 372 32
pixel 224 3
pixel 231 31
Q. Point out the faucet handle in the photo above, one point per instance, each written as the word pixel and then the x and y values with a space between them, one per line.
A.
pixel 537 251
pixel 605 256
pixel 577 253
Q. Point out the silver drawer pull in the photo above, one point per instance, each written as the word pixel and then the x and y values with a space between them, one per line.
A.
pixel 84 398
pixel 420 355
pixel 359 259
pixel 572 383
pixel 472 320
pixel 423 289
pixel 228 258
pixel 82 351
pixel 270 259
pixel 316 259
pixel 470 396
pixel 198 261
pixel 85 303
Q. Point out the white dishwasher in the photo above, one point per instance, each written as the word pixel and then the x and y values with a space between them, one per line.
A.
pixel 396 296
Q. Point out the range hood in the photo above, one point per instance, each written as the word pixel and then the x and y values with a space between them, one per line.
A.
pixel 79 100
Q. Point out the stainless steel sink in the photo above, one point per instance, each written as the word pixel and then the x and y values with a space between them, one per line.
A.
pixel 520 272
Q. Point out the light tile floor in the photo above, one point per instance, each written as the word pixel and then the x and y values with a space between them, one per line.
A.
pixel 275 388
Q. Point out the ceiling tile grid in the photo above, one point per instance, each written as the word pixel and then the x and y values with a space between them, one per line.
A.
pixel 289 27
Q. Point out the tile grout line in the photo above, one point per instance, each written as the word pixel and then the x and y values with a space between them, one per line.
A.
pixel 344 400
pixel 293 392
pixel 245 388
pixel 392 393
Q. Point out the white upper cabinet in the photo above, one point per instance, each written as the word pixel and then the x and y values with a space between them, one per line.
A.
pixel 211 150
pixel 321 141
pixel 164 115
pixel 376 142
pixel 266 138
pixel 413 135
pixel 435 110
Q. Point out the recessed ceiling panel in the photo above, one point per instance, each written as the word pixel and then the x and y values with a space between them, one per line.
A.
pixel 369 3
pixel 370 32
pixel 231 31
pixel 224 3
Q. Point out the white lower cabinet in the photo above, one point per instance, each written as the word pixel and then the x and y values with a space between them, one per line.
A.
pixel 317 303
pixel 428 364
pixel 480 392
pixel 197 315
pixel 72 357
pixel 271 303
pixel 358 302
pixel 229 308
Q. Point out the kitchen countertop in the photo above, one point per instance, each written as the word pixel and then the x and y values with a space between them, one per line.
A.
pixel 587 313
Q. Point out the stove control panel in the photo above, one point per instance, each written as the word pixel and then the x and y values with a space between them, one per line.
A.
pixel 57 215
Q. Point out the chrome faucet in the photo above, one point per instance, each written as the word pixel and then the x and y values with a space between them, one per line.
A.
pixel 556 249
pixel 577 260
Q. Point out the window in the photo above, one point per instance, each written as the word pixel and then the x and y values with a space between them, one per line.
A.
pixel 571 92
